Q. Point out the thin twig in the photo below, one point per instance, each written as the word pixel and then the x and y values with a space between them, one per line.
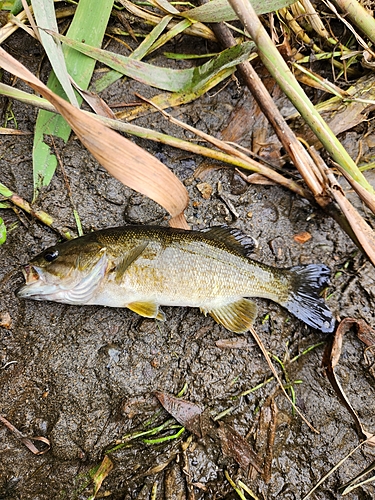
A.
pixel 269 362
pixel 38 214
pixel 294 148
pixel 228 149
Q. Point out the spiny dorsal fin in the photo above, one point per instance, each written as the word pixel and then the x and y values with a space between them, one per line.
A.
pixel 147 310
pixel 128 259
pixel 237 316
pixel 233 238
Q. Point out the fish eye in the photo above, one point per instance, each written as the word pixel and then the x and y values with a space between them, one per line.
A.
pixel 51 255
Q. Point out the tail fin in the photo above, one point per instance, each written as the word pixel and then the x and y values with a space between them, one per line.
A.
pixel 304 300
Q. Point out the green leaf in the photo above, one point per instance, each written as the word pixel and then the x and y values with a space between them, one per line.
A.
pixel 217 11
pixel 44 13
pixel 183 80
pixel 3 232
pixel 88 24
pixel 17 6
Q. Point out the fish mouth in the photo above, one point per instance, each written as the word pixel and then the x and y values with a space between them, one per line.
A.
pixel 31 274
pixel 33 280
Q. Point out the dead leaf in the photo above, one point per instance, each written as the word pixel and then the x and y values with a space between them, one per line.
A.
pixel 104 469
pixel 186 413
pixel 5 320
pixel 96 103
pixel 205 189
pixel 331 357
pixel 235 446
pixel 122 158
pixel 302 237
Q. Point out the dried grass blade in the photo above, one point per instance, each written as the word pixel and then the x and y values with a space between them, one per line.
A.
pixel 275 374
pixel 175 142
pixel 331 358
pixel 334 468
pixel 362 230
pixel 123 159
pixel 24 440
pixel 354 483
pixel 11 26
pixel 280 71
pixel 197 29
pixel 246 161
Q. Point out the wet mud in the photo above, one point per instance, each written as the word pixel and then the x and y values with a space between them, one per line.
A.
pixel 84 377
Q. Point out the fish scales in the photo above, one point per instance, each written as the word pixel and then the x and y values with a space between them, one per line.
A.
pixel 184 271
pixel 144 267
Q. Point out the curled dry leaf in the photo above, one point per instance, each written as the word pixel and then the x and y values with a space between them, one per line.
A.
pixel 28 442
pixel 123 159
pixel 331 357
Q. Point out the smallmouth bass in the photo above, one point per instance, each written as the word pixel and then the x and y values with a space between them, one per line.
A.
pixel 144 267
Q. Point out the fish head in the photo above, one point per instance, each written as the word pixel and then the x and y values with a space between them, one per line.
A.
pixel 68 273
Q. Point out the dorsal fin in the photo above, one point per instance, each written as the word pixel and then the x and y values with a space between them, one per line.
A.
pixel 233 238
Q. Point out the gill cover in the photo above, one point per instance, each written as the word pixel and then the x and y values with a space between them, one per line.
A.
pixel 76 288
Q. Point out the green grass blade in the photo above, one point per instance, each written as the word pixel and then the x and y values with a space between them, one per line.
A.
pixel 150 39
pixel 176 30
pixel 217 11
pixel 138 54
pixel 16 7
pixel 165 78
pixel 89 24
pixel 45 17
pixel 3 232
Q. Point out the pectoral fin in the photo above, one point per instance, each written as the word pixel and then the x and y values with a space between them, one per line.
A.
pixel 128 259
pixel 237 316
pixel 147 309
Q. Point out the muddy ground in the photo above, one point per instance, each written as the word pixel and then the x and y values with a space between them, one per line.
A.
pixel 83 377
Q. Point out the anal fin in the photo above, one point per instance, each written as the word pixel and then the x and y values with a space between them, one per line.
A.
pixel 147 309
pixel 236 316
